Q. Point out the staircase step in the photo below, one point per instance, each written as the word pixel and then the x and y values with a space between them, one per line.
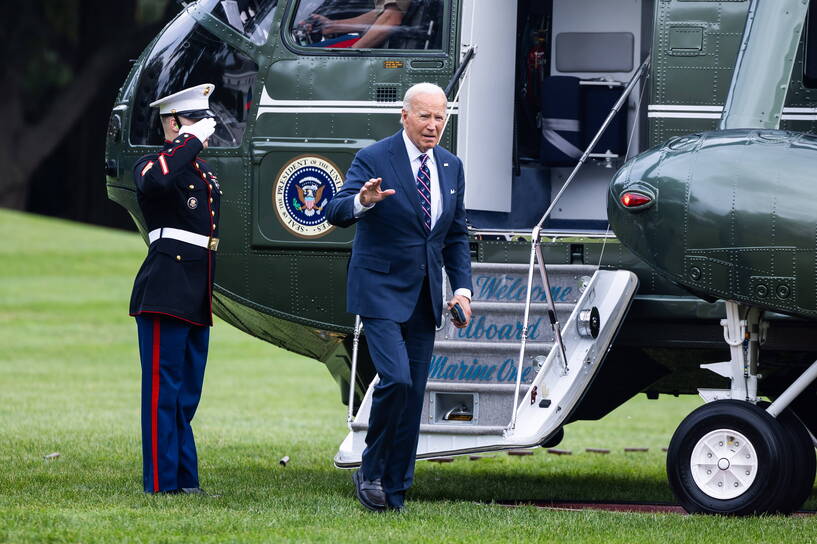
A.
pixel 501 322
pixel 468 348
pixel 455 387
pixel 485 306
pixel 447 428
pixel 522 268
pixel 501 282
pixel 483 362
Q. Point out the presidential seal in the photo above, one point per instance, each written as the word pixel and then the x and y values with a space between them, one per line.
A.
pixel 300 194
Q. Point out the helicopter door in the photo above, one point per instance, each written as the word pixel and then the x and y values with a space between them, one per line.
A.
pixel 485 124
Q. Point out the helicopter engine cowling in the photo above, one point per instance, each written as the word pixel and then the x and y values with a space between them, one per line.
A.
pixel 726 214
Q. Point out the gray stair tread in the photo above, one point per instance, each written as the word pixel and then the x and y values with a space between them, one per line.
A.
pixel 508 268
pixel 536 307
pixel 467 346
pixel 474 387
pixel 446 428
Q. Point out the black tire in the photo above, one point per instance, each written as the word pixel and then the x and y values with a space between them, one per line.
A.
pixel 765 434
pixel 804 463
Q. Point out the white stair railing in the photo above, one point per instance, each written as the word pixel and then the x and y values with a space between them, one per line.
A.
pixel 350 416
pixel 536 250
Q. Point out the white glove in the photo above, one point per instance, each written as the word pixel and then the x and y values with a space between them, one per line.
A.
pixel 200 129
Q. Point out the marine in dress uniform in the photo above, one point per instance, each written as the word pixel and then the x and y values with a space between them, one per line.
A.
pixel 172 294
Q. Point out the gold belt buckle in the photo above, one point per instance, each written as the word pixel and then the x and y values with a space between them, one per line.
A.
pixel 212 244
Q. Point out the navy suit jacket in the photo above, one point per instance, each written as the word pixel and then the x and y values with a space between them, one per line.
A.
pixel 392 250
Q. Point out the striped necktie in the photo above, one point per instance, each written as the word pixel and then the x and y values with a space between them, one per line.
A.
pixel 424 190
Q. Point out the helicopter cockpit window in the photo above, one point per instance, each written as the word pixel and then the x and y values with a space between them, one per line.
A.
pixel 252 18
pixel 187 55
pixel 369 24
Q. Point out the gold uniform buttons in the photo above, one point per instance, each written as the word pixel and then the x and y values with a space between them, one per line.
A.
pixel 211 186
pixel 214 226
pixel 211 200
pixel 178 257
pixel 191 186
pixel 213 213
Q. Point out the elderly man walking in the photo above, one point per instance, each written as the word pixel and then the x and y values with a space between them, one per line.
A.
pixel 406 195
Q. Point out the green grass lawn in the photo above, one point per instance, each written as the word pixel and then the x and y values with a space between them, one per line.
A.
pixel 69 383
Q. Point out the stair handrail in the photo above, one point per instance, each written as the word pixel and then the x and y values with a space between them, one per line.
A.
pixel 536 251
pixel 350 416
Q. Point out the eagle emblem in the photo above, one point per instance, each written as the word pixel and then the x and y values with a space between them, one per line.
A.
pixel 304 187
pixel 310 192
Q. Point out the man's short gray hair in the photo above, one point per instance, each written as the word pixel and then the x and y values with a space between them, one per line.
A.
pixel 421 88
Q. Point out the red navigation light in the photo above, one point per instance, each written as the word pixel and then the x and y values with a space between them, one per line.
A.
pixel 634 200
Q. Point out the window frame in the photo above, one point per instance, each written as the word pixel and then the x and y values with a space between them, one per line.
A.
pixel 231 37
pixel 288 19
pixel 205 13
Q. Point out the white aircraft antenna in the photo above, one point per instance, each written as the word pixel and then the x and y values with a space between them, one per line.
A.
pixel 456 98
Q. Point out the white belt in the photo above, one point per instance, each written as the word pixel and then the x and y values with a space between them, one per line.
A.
pixel 184 236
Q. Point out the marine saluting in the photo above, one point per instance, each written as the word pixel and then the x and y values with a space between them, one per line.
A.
pixel 179 198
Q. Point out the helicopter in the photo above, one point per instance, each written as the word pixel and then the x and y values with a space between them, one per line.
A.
pixel 580 124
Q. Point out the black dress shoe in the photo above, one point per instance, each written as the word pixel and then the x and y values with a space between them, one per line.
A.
pixel 369 493
pixel 193 491
pixel 197 491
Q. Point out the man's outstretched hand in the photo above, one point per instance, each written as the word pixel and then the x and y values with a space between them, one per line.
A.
pixel 371 194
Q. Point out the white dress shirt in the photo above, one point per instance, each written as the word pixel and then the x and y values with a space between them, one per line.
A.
pixel 436 200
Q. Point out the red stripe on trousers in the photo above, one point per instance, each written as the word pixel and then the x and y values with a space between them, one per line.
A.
pixel 154 405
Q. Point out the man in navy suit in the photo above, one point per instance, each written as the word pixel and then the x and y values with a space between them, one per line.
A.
pixel 406 195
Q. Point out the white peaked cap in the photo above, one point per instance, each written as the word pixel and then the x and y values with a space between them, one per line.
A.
pixel 191 99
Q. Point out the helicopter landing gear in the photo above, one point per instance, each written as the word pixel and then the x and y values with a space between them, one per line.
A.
pixel 735 455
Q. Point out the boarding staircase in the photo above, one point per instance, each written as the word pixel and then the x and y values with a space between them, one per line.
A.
pixel 471 392
pixel 472 375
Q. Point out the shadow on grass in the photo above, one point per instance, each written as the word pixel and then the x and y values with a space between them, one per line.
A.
pixel 449 483
pixel 500 485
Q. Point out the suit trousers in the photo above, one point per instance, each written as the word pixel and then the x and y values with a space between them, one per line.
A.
pixel 401 353
pixel 173 354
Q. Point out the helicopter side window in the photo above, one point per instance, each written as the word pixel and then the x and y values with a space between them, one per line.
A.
pixel 252 18
pixel 187 55
pixel 369 24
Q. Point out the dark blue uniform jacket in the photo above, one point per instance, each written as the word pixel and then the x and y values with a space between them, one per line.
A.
pixel 392 251
pixel 176 189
